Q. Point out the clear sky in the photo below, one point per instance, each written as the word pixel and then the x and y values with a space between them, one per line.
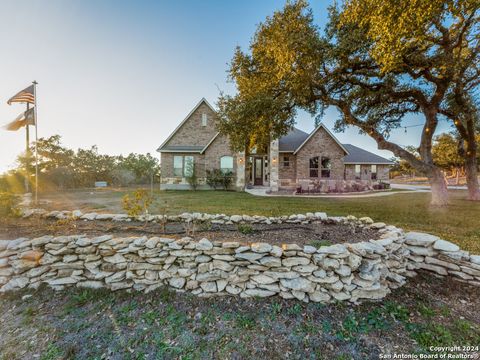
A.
pixel 122 74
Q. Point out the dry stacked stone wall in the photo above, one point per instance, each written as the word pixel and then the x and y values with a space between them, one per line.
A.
pixel 350 271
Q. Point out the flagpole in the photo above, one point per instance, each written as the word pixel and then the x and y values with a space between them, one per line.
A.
pixel 27 154
pixel 36 140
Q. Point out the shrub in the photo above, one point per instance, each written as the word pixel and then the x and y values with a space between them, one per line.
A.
pixel 192 178
pixel 214 178
pixel 227 179
pixel 137 203
pixel 8 204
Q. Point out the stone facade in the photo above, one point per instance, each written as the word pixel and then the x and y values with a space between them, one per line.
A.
pixel 383 172
pixel 287 169
pixel 320 144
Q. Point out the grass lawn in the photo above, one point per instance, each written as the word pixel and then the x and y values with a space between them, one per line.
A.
pixel 459 222
pixel 100 324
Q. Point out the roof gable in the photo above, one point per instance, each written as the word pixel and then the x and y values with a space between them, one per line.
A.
pixel 192 146
pixel 321 126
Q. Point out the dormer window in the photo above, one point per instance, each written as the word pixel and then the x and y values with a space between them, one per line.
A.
pixel 204 119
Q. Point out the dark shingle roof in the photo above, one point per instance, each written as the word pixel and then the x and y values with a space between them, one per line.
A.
pixel 358 156
pixel 292 140
pixel 181 148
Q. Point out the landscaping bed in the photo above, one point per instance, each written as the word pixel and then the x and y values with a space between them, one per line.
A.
pixel 315 233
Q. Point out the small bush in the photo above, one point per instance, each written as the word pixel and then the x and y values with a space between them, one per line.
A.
pixel 192 178
pixel 8 204
pixel 217 179
pixel 245 229
pixel 214 178
pixel 227 180
pixel 137 203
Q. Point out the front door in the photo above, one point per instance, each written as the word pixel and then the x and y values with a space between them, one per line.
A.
pixel 258 171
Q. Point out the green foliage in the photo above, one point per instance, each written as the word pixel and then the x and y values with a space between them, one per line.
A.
pixel 214 178
pixel 137 203
pixel 191 176
pixel 290 66
pixel 227 180
pixel 245 229
pixel 245 321
pixel 53 353
pixel 61 167
pixel 445 152
pixel 219 179
pixel 8 204
pixel 319 243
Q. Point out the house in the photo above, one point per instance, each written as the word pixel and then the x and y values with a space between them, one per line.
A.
pixel 296 159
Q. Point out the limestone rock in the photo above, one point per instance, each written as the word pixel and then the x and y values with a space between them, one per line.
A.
pixel 259 293
pixel 420 239
pixel 299 284
pixel 177 282
pixel 261 247
pixel 250 256
pixel 294 261
pixel 444 245
pixel 204 244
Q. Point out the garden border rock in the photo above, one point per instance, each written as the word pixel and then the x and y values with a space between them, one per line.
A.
pixel 350 271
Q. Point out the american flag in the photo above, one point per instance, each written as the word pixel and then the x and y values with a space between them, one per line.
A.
pixel 24 96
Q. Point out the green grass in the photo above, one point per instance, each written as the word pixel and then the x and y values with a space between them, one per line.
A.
pixel 459 222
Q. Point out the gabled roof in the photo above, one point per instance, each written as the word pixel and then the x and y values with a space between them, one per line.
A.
pixel 209 143
pixel 163 148
pixel 359 156
pixel 321 126
pixel 291 141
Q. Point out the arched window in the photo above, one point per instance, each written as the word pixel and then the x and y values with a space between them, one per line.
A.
pixel 314 167
pixel 226 164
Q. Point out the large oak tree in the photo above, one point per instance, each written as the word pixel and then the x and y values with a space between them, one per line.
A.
pixel 290 66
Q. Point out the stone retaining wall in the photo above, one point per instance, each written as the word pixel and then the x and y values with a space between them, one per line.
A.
pixel 350 271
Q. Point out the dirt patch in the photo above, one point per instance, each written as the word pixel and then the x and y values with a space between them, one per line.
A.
pixel 316 233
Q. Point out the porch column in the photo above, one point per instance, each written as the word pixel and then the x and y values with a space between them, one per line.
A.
pixel 274 165
pixel 240 173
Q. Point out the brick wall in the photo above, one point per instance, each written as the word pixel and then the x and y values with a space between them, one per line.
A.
pixel 192 132
pixel 366 172
pixel 320 144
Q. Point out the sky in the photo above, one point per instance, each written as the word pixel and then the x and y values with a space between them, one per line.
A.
pixel 122 74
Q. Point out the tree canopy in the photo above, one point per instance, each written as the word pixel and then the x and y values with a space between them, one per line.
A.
pixel 291 66
pixel 62 167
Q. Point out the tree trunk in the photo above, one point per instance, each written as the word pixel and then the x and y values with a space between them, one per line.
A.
pixel 439 188
pixel 472 177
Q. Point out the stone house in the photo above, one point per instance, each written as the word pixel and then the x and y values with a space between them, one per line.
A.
pixel 291 161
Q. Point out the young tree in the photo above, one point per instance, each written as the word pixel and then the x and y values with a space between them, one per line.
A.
pixel 290 67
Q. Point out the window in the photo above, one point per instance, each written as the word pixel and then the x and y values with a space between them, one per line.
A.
pixel 189 166
pixel 204 119
pixel 326 166
pixel 177 165
pixel 374 172
pixel 226 164
pixel 314 166
pixel 286 161
pixel 357 171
